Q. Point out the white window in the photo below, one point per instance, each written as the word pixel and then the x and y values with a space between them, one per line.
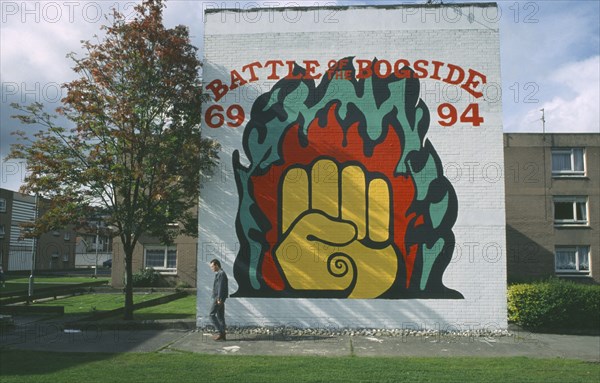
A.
pixel 67 236
pixel 572 259
pixel 2 231
pixel 570 211
pixel 2 205
pixel 161 258
pixel 568 162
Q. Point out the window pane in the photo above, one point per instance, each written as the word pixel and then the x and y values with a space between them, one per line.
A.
pixel 563 210
pixel 581 211
pixel 578 159
pixel 565 259
pixel 172 259
pixel 561 161
pixel 155 258
pixel 584 260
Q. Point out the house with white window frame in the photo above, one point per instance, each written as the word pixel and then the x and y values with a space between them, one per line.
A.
pixel 552 206
pixel 176 262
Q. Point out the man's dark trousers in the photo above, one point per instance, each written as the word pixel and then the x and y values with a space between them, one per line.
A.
pixel 217 315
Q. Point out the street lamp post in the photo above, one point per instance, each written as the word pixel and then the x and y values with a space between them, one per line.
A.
pixel 31 276
pixel 97 243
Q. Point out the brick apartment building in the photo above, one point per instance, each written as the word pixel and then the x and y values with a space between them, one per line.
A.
pixel 52 251
pixel 552 206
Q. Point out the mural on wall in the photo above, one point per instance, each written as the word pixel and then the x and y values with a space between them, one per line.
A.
pixel 343 196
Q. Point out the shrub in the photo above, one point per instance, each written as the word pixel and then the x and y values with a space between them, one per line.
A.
pixel 182 285
pixel 146 278
pixel 554 304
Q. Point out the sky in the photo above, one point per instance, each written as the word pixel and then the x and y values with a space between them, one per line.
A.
pixel 550 58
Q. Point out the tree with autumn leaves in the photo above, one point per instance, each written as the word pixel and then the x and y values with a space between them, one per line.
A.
pixel 132 146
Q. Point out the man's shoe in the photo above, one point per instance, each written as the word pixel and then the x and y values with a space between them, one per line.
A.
pixel 220 337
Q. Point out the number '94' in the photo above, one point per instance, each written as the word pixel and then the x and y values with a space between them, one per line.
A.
pixel 449 115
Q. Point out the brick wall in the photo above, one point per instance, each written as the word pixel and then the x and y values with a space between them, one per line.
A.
pixel 470 152
pixel 532 234
pixel 185 272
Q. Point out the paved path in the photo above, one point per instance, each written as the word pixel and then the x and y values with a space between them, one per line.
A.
pixel 32 334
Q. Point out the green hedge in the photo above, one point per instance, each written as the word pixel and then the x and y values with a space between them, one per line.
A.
pixel 146 278
pixel 554 304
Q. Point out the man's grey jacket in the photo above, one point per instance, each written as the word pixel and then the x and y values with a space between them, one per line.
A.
pixel 220 287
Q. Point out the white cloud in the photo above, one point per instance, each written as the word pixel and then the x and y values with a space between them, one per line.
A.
pixel 539 41
pixel 36 37
pixel 33 54
pixel 549 53
pixel 578 111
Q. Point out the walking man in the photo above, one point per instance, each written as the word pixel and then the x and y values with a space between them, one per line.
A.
pixel 220 293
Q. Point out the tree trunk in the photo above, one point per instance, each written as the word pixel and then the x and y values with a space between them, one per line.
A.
pixel 128 313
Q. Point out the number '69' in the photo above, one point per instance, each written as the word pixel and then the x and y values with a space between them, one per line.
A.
pixel 214 117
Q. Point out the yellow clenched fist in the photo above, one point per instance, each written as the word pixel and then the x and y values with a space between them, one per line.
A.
pixel 335 230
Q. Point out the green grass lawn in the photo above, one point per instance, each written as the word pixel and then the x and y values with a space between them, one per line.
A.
pixel 31 366
pixel 184 308
pixel 88 303
pixel 21 284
